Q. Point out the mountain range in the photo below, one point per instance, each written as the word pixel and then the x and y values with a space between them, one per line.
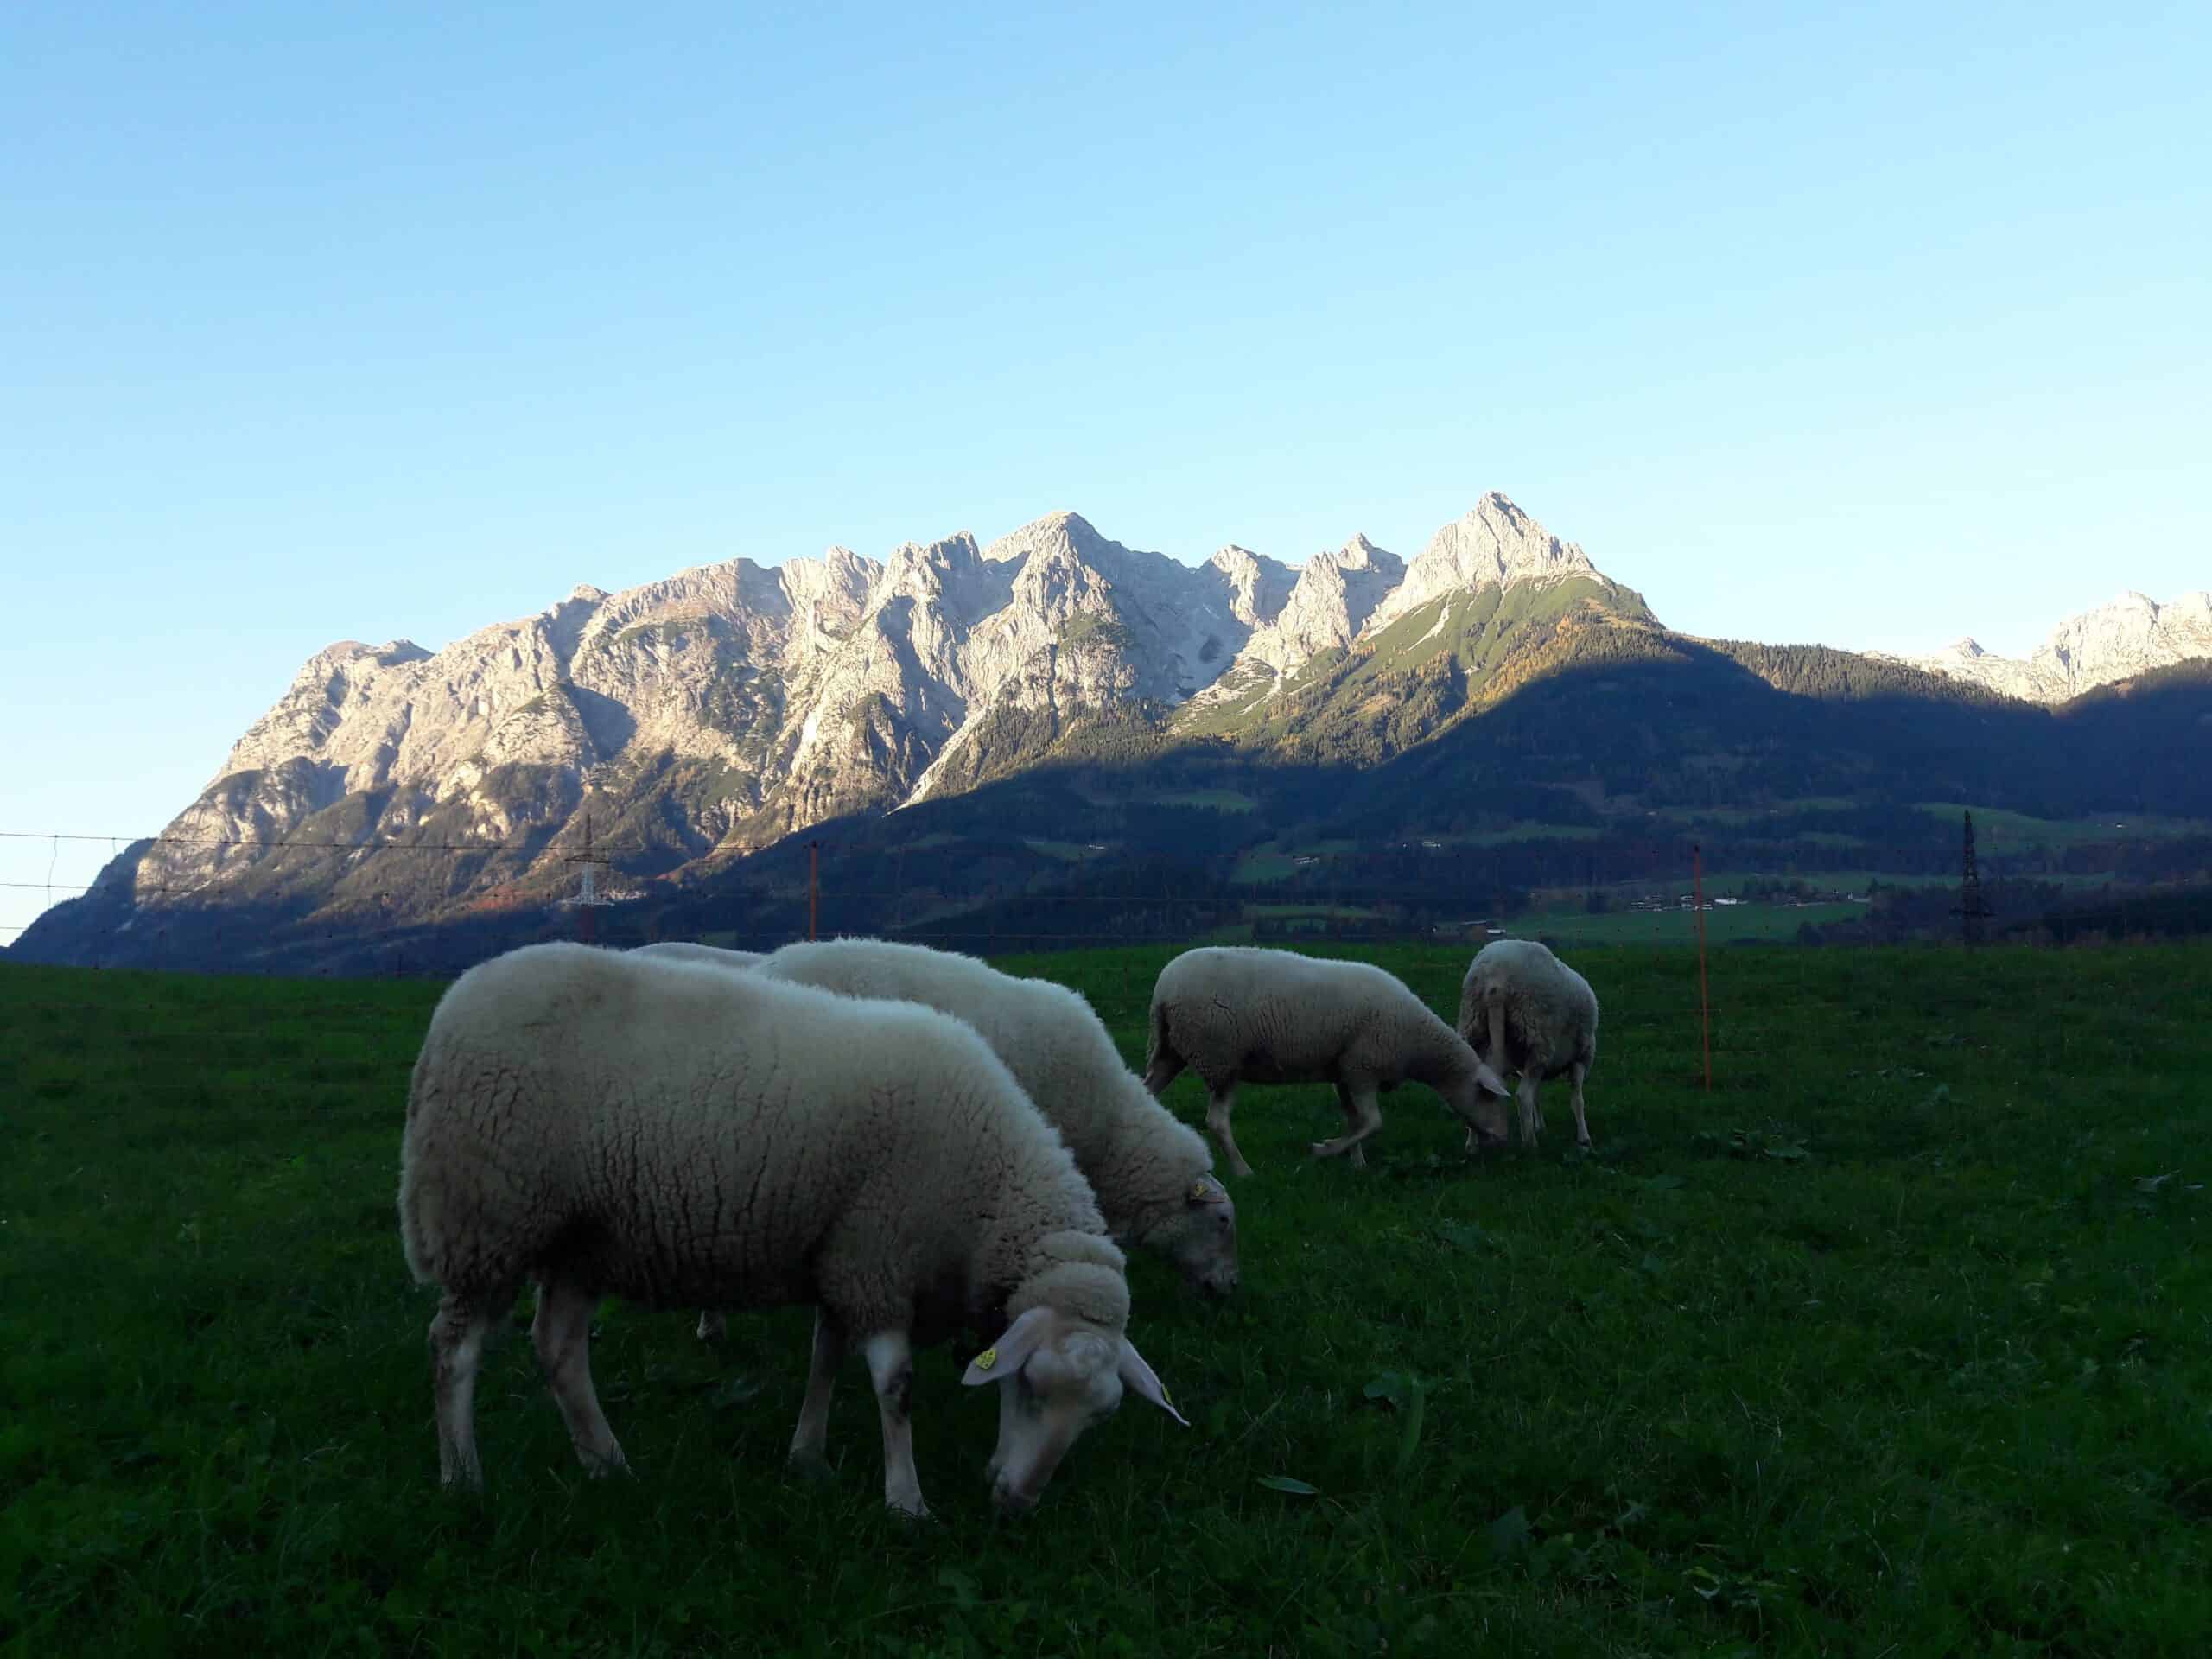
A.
pixel 2129 636
pixel 696 723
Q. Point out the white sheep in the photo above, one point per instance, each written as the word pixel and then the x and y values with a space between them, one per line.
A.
pixel 685 950
pixel 1151 1171
pixel 678 1135
pixel 1234 1013
pixel 1524 1010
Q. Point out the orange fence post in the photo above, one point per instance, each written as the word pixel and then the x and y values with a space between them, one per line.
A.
pixel 1704 998
pixel 813 882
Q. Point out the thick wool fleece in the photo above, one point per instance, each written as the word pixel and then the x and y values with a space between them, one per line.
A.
pixel 682 1135
pixel 1139 1158
pixel 1243 1014
pixel 1551 1013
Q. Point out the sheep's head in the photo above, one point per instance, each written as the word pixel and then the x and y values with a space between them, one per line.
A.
pixel 1057 1375
pixel 1196 1230
pixel 1479 1097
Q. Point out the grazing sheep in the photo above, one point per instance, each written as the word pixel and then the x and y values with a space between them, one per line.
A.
pixel 684 950
pixel 1524 1010
pixel 678 1135
pixel 1152 1172
pixel 1234 1013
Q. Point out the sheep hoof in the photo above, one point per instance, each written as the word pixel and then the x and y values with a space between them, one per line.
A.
pixel 811 1465
pixel 917 1514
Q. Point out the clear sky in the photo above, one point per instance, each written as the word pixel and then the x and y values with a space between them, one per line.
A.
pixel 1873 325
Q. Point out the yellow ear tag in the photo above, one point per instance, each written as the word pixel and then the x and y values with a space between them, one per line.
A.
pixel 1198 1193
pixel 988 1358
pixel 1165 1396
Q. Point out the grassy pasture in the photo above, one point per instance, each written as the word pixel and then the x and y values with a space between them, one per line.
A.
pixel 1896 1342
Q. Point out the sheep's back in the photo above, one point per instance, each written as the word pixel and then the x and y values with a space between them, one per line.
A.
pixel 1272 1016
pixel 672 1133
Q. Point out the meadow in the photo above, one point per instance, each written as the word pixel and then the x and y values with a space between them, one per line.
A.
pixel 1896 1341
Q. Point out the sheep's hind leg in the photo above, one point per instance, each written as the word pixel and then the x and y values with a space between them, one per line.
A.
pixel 1581 1123
pixel 1365 1116
pixel 810 1441
pixel 1351 1137
pixel 562 1333
pixel 457 1336
pixel 1166 1066
pixel 1532 1119
pixel 891 1368
pixel 1217 1105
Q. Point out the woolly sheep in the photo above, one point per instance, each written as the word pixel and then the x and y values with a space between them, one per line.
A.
pixel 679 1134
pixel 1238 1014
pixel 684 950
pixel 1151 1171
pixel 1524 1010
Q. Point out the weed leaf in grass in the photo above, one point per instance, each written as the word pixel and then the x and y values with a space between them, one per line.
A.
pixel 1285 1484
pixel 1405 1395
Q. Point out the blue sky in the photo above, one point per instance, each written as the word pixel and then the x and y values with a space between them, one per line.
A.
pixel 1873 327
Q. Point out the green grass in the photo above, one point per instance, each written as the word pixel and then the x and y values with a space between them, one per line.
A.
pixel 1996 830
pixel 1073 851
pixel 1724 925
pixel 1895 1342
pixel 1221 800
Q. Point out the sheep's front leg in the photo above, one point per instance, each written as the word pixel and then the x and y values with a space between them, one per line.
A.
pixel 1366 1117
pixel 891 1368
pixel 562 1333
pixel 1217 1105
pixel 457 1335
pixel 810 1441
pixel 712 1326
pixel 1007 1424
pixel 1581 1123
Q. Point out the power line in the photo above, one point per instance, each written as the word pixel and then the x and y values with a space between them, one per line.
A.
pixel 342 846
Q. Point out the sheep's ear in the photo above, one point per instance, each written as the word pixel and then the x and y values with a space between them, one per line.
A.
pixel 1490 1079
pixel 1137 1375
pixel 1006 1356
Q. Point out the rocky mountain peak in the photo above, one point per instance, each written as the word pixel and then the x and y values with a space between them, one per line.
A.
pixel 2128 635
pixel 1360 554
pixel 1256 586
pixel 1494 545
